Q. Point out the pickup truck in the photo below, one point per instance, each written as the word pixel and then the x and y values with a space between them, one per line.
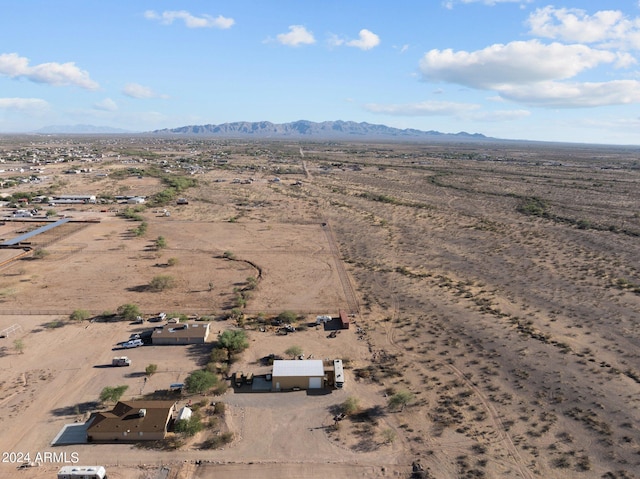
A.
pixel 132 343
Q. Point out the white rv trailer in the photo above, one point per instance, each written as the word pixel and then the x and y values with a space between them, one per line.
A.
pixel 339 373
pixel 82 472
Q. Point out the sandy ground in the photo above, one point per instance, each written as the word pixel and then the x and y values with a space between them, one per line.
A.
pixel 516 335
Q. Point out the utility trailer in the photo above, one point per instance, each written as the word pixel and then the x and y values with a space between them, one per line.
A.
pixel 121 361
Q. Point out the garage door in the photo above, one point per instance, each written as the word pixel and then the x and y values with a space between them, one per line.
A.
pixel 315 383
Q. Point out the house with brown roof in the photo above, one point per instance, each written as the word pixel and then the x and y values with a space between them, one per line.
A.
pixel 132 421
pixel 181 333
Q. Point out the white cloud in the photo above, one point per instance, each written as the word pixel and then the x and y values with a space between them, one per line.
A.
pixel 298 35
pixel 335 40
pixel 56 74
pixel 23 104
pixel 532 73
pixel 574 95
pixel 450 3
pixel 366 40
pixel 135 90
pixel 425 108
pixel 500 115
pixel 606 27
pixel 106 105
pixel 514 63
pixel 465 111
pixel 190 21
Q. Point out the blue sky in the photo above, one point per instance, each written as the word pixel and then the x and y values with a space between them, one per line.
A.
pixel 522 69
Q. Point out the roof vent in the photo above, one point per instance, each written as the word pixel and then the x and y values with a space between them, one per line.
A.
pixel 142 412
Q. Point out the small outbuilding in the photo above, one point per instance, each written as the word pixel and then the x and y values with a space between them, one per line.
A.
pixel 297 374
pixel 184 414
pixel 344 319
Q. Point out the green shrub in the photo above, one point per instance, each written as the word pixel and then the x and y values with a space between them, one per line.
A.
pixel 189 427
pixel 200 381
pixel 162 282
pixel 79 315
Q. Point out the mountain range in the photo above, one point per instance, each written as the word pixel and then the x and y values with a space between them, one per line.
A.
pixel 309 129
pixel 302 129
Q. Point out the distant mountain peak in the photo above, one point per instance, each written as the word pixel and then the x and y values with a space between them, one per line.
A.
pixel 308 129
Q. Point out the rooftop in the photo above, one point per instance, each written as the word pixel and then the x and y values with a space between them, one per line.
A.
pixel 181 330
pixel 125 416
pixel 308 367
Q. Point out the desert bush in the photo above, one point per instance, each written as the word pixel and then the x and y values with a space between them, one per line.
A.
pixel 389 435
pixel 234 341
pixel 350 406
pixel 200 381
pixel 79 315
pixel 40 253
pixel 18 345
pixel 113 394
pixel 172 261
pixel 287 317
pixel 400 400
pixel 162 282
pixel 294 351
pixel 221 387
pixel 132 214
pixel 128 311
pixel 141 230
pixel 151 369
pixel 182 317
pixel 160 242
pixel 189 427
pixel 218 355
pixel 533 206
pixel 218 441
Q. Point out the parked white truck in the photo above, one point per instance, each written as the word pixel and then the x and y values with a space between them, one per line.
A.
pixel 121 361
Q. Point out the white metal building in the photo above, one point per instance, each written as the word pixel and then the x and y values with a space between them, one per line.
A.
pixel 297 374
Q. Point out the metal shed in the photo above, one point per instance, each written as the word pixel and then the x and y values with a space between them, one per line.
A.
pixel 300 374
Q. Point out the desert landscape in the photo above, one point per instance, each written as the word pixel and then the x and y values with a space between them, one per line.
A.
pixel 493 290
